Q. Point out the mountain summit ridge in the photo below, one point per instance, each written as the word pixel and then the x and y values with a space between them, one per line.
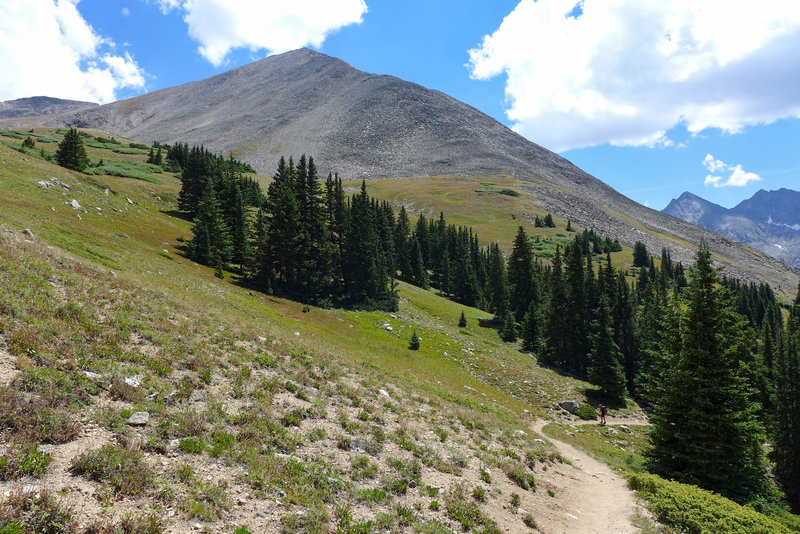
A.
pixel 768 221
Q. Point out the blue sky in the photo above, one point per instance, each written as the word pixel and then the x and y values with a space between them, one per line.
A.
pixel 654 98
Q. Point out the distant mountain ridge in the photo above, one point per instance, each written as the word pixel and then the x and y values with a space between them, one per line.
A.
pixel 37 106
pixel 365 125
pixel 768 221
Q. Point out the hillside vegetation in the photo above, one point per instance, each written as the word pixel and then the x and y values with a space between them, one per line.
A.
pixel 141 393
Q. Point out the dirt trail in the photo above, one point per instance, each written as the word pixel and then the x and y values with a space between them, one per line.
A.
pixel 590 498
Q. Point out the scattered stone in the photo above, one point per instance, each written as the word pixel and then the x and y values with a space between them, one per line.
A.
pixel 134 381
pixel 521 432
pixel 74 204
pixel 30 488
pixel 569 405
pixel 297 333
pixel 358 445
pixel 384 393
pixel 27 232
pixel 92 375
pixel 131 202
pixel 625 429
pixel 174 443
pixel 105 192
pixel 139 419
pixel 46 185
pixel 540 440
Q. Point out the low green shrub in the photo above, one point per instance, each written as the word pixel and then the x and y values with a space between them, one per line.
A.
pixel 124 470
pixel 23 461
pixel 586 412
pixel 691 509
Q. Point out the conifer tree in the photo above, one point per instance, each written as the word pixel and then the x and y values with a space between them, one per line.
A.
pixel 71 153
pixel 786 439
pixel 557 327
pixel 640 258
pixel 414 343
pixel 605 359
pixel 509 331
pixel 462 321
pixel 239 230
pixel 497 286
pixel 211 242
pixel 520 274
pixel 704 427
pixel 402 232
pixel 531 329
pixel 419 276
pixel 577 312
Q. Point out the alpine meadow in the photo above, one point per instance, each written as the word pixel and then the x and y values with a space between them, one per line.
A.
pixel 298 297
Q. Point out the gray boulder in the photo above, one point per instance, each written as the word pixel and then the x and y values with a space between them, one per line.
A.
pixel 570 405
pixel 139 419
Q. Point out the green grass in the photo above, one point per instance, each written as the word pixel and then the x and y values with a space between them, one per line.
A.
pixel 620 450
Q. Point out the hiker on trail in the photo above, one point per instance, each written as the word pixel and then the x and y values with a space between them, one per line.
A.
pixel 603 412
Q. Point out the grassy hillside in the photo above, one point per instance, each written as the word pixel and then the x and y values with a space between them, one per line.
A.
pixel 258 413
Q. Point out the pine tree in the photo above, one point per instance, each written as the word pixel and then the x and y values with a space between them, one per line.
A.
pixel 462 321
pixel 497 284
pixel 557 329
pixel 577 343
pixel 786 439
pixel 71 153
pixel 520 274
pixel 211 242
pixel 509 331
pixel 402 232
pixel 413 344
pixel 239 230
pixel 705 430
pixel 640 258
pixel 531 330
pixel 605 359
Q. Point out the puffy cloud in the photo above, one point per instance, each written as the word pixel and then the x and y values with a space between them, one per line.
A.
pixel 47 48
pixel 220 26
pixel 737 177
pixel 626 71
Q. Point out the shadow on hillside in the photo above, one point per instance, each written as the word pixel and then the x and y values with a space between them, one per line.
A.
pixel 490 323
pixel 595 397
pixel 178 214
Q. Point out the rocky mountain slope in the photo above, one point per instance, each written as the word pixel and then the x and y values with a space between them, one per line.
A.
pixel 768 221
pixel 36 106
pixel 366 125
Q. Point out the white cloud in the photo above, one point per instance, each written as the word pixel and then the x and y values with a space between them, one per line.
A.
pixel 626 71
pixel 126 12
pixel 220 26
pixel 47 48
pixel 737 177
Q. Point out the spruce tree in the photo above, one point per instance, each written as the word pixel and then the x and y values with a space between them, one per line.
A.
pixel 509 331
pixel 786 439
pixel 577 343
pixel 640 258
pixel 71 153
pixel 531 329
pixel 497 284
pixel 413 344
pixel 704 427
pixel 557 329
pixel 605 359
pixel 520 274
pixel 211 242
pixel 462 321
